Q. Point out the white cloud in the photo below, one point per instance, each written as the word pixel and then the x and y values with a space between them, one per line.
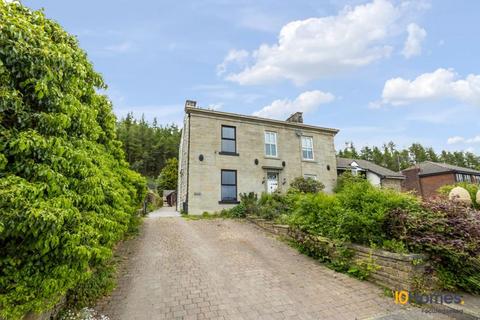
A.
pixel 413 44
pixel 442 83
pixel 233 56
pixel 305 102
pixel 475 139
pixel 459 139
pixel 122 47
pixel 316 47
pixel 455 140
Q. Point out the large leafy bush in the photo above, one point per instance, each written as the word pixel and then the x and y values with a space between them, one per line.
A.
pixel 306 185
pixel 449 233
pixel 66 194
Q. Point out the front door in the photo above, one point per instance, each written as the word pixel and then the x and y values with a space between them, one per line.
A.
pixel 272 182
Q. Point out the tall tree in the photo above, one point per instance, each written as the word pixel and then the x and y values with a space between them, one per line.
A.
pixel 167 180
pixel 390 157
pixel 148 146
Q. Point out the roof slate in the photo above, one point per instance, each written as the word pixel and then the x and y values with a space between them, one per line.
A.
pixel 344 163
pixel 429 167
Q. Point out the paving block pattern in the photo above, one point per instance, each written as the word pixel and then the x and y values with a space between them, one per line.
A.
pixel 227 269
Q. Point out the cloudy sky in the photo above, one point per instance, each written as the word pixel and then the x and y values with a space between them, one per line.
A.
pixel 406 71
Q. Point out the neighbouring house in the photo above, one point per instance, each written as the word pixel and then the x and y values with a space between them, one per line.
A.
pixel 426 177
pixel 224 154
pixel 377 175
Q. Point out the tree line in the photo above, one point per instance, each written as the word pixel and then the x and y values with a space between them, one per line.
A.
pixel 148 146
pixel 390 156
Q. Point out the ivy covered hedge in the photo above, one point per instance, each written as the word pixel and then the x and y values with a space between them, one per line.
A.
pixel 66 194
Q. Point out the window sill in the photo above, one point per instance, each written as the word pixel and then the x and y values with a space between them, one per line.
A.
pixel 228 202
pixel 309 160
pixel 224 153
pixel 272 157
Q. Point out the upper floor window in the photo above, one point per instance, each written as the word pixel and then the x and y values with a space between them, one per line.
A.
pixel 229 139
pixel 270 143
pixel 307 148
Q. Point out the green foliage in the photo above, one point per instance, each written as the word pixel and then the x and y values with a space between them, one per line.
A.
pixel 147 146
pixel 365 208
pixel 276 205
pixel 356 213
pixel 346 179
pixel 306 185
pixel 398 159
pixel 449 233
pixel 167 180
pixel 472 189
pixel 319 214
pixel 66 193
pixel 249 204
pixel 239 211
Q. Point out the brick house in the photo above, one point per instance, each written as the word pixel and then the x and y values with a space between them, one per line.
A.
pixel 426 177
pixel 224 154
pixel 377 175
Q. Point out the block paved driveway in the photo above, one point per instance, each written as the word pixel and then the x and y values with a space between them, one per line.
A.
pixel 227 269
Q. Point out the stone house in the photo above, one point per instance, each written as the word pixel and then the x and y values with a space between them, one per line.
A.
pixel 377 175
pixel 427 177
pixel 224 154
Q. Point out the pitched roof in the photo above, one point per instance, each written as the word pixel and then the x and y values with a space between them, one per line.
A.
pixel 296 125
pixel 345 163
pixel 432 168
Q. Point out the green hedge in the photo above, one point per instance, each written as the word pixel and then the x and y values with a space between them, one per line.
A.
pixel 66 194
pixel 447 232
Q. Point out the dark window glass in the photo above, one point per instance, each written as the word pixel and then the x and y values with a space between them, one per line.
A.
pixel 229 185
pixel 229 142
pixel 228 132
pixel 228 145
pixel 228 177
pixel 229 193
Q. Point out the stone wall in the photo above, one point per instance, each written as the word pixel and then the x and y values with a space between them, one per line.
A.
pixel 183 165
pixel 394 184
pixel 393 270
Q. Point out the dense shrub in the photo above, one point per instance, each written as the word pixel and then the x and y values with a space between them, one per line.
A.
pixel 472 189
pixel 449 233
pixel 365 208
pixel 347 178
pixel 319 214
pixel 66 194
pixel 276 205
pixel 250 202
pixel 306 185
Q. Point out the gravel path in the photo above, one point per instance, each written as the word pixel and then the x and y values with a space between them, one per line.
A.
pixel 226 269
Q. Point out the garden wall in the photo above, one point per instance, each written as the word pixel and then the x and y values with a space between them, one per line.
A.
pixel 393 270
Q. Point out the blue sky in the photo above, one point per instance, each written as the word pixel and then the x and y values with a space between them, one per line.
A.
pixel 402 71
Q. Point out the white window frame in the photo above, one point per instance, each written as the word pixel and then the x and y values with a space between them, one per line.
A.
pixel 313 176
pixel 307 148
pixel 268 142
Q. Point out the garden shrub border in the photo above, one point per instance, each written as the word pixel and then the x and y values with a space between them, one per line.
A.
pixel 395 271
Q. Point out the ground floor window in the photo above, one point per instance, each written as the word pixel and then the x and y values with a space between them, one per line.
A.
pixel 311 176
pixel 229 185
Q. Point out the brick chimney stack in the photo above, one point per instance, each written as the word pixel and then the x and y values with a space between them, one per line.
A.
pixel 296 117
